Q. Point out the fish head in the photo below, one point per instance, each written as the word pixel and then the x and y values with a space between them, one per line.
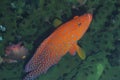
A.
pixel 81 23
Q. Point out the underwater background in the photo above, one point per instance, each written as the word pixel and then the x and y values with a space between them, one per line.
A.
pixel 31 21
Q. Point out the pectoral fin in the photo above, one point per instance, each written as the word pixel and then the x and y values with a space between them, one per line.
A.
pixel 75 48
pixel 81 53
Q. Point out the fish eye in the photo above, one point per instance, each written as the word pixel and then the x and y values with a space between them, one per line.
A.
pixel 79 24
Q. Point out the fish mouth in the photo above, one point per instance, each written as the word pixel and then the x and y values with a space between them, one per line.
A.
pixel 89 16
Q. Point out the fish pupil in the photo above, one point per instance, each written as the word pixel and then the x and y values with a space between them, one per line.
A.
pixel 79 24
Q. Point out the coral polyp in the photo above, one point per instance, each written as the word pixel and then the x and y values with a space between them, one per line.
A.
pixel 16 51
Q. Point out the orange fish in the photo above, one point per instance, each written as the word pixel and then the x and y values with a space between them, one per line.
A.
pixel 62 40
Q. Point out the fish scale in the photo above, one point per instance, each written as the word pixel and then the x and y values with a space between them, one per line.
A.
pixel 42 68
pixel 29 67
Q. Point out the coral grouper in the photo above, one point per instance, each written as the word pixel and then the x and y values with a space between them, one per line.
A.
pixel 52 49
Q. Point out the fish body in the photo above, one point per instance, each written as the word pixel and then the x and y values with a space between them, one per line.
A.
pixel 52 49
